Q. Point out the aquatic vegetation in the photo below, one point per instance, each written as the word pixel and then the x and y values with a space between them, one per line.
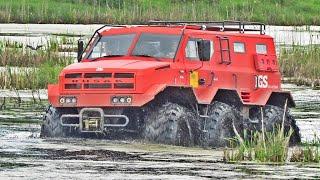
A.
pixel 308 152
pixel 262 147
pixel 21 109
pixel 301 63
pixel 16 54
pixel 271 147
pixel 284 12
pixel 30 78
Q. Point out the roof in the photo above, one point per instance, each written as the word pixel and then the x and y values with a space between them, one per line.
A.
pixel 233 28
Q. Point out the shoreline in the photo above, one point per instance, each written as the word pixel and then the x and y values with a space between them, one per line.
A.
pixel 312 83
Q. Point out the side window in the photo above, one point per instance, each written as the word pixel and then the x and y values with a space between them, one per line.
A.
pixel 261 49
pixel 238 47
pixel 192 49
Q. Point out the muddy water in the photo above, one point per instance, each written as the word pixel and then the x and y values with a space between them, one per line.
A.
pixel 23 154
pixel 307 111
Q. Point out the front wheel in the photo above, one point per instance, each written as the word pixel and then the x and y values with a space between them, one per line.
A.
pixel 51 126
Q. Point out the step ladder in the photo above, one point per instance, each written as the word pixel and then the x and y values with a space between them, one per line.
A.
pixel 224 50
pixel 203 116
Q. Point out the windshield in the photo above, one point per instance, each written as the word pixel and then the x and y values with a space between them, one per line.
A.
pixel 112 45
pixel 157 45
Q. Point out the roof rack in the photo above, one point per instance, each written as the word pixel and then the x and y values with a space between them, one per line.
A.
pixel 241 26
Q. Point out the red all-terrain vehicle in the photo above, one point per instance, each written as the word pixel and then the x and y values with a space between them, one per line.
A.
pixel 182 83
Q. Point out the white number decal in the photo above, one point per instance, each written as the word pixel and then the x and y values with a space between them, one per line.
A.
pixel 261 81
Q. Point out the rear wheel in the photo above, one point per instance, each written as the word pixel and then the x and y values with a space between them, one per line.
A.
pixel 273 117
pixel 172 123
pixel 51 126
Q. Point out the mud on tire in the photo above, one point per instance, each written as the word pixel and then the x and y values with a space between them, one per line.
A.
pixel 172 123
pixel 51 126
pixel 219 124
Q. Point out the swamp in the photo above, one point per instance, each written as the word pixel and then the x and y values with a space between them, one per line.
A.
pixel 33 53
pixel 23 99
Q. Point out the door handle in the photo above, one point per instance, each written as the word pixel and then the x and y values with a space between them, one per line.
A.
pixel 202 81
pixel 212 78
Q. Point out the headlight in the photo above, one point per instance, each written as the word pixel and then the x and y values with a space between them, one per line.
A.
pixel 74 100
pixel 115 100
pixel 121 100
pixel 68 100
pixel 129 99
pixel 62 100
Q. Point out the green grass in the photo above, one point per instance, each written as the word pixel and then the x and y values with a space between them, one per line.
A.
pixel 277 12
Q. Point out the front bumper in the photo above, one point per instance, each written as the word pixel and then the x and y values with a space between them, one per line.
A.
pixel 101 99
pixel 92 120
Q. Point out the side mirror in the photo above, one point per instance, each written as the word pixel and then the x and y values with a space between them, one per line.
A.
pixel 80 49
pixel 204 48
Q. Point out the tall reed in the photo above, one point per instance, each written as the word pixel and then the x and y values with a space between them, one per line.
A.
pixel 271 148
pixel 301 62
pixel 22 68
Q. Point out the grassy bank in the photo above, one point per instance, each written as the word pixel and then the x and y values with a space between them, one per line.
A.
pixel 301 64
pixel 276 12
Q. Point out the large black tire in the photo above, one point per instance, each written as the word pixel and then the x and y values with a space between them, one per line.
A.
pixel 51 126
pixel 219 124
pixel 172 123
pixel 273 117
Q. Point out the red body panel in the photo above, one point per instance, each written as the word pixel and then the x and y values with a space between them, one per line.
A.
pixel 253 76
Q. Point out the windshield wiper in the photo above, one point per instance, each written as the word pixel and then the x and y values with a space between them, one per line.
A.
pixel 111 55
pixel 146 55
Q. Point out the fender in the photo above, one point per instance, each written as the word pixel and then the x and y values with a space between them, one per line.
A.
pixel 258 97
pixel 278 98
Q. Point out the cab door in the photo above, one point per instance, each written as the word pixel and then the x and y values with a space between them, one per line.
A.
pixel 201 74
pixel 200 71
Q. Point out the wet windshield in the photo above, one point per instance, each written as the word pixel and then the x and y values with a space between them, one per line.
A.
pixel 157 45
pixel 115 45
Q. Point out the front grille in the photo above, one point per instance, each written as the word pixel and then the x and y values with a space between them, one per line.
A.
pixel 97 75
pixel 105 81
pixel 123 85
pixel 73 75
pixel 97 86
pixel 72 86
pixel 123 75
